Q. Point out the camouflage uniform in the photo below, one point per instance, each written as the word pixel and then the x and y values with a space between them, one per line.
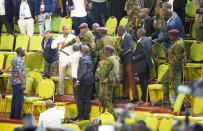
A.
pixel 176 56
pixel 106 40
pixel 133 9
pixel 86 39
pixel 109 76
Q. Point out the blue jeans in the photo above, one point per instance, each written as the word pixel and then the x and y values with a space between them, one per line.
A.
pixel 17 100
pixel 77 21
pixel 99 9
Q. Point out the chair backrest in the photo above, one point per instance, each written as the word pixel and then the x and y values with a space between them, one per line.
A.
pixel 1 61
pixel 46 88
pixel 8 61
pixel 123 21
pixel 107 118
pixel 65 21
pixel 16 28
pixel 33 61
pixel 152 123
pixel 166 125
pixel 36 28
pixel 22 41
pixel 193 31
pixel 29 82
pixel 179 102
pixel 35 43
pixel 7 41
pixel 3 28
pixel 55 24
pixel 196 52
pixel 162 69
pixel 111 25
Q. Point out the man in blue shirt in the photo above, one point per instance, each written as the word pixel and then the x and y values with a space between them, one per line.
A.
pixel 51 56
pixel 84 81
pixel 43 13
pixel 17 81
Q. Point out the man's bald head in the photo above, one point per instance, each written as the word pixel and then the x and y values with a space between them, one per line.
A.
pixel 95 26
pixel 166 6
pixel 85 49
pixel 49 104
pixel 76 47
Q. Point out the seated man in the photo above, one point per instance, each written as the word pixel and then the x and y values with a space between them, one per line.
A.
pixel 51 117
pixel 51 56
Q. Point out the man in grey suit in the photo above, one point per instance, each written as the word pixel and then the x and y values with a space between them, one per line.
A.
pixel 142 60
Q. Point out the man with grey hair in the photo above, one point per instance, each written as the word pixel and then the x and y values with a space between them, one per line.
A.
pixel 95 31
pixel 142 60
pixel 84 82
pixel 63 57
pixel 51 117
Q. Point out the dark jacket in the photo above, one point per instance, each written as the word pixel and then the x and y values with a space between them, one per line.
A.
pixel 49 6
pixel 148 26
pixel 127 43
pixel 1 72
pixel 174 23
pixel 50 55
pixel 142 55
pixel 85 70
pixel 31 4
pixel 9 9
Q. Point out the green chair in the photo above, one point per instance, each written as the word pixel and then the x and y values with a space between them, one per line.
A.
pixel 65 21
pixel 16 28
pixel 3 28
pixel 22 41
pixel 193 31
pixel 1 61
pixel 111 25
pixel 123 21
pixel 7 41
pixel 35 43
pixel 107 118
pixel 166 125
pixel 55 24
pixel 36 28
pixel 8 61
pixel 34 61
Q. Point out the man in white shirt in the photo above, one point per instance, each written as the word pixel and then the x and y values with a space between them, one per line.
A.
pixel 64 54
pixel 51 117
pixel 79 12
pixel 24 15
pixel 6 15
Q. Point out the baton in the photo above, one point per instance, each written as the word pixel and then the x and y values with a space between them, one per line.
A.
pixel 128 51
pixel 64 52
pixel 159 45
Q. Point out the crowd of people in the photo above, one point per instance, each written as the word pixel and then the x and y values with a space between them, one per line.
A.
pixel 96 56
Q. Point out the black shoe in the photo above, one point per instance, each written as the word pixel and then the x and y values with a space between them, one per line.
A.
pixel 134 100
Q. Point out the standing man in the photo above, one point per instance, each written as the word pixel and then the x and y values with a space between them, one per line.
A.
pixel 84 82
pixel 176 61
pixel 99 9
pixel 79 13
pixel 51 56
pixel 95 31
pixel 133 9
pixel 24 15
pixel 17 80
pixel 142 60
pixel 199 19
pixel 43 13
pixel 6 15
pixel 109 77
pixel 127 60
pixel 64 54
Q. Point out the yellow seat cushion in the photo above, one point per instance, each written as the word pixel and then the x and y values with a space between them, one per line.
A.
pixel 8 97
pixel 140 115
pixel 161 116
pixel 71 126
pixel 155 87
pixel 194 65
pixel 31 99
pixel 39 103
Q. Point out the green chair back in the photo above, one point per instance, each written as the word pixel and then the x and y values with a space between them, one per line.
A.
pixel 3 28
pixel 16 28
pixel 36 28
pixel 7 41
pixel 65 21
pixel 193 31
pixel 46 88
pixel 8 61
pixel 123 21
pixel 35 43
pixel 29 81
pixel 55 24
pixel 34 61
pixel 22 41
pixel 111 25
pixel 1 61
pixel 196 52
pixel 161 71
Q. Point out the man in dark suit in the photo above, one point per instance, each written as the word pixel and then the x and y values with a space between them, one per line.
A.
pixel 142 59
pixel 6 15
pixel 24 15
pixel 173 22
pixel 127 60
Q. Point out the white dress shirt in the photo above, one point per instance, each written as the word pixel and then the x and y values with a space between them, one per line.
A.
pixel 124 35
pixel 73 62
pixel 2 7
pixel 80 9
pixel 24 10
pixel 50 118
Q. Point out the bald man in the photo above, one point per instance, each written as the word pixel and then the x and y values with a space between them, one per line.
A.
pixel 51 117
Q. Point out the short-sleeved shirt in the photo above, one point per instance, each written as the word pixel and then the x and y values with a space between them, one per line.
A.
pixel 17 64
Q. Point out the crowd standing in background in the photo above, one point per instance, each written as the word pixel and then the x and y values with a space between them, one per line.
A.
pixel 93 56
